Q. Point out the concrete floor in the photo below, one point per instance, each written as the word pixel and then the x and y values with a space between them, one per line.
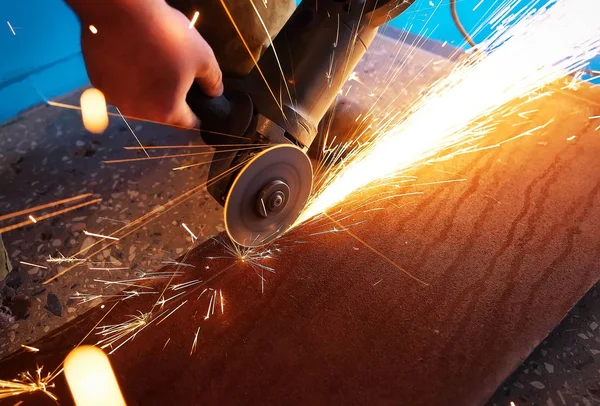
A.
pixel 565 368
pixel 47 155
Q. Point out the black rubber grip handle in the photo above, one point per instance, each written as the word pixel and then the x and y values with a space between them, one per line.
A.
pixel 213 112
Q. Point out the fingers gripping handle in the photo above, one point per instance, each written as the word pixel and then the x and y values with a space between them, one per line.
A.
pixel 213 112
pixel 223 119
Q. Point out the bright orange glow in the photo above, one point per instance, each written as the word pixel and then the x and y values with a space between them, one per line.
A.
pixel 93 111
pixel 541 46
pixel 91 379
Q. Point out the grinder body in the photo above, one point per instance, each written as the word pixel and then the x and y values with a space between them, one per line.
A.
pixel 282 101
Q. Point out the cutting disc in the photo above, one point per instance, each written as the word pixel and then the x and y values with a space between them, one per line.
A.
pixel 267 195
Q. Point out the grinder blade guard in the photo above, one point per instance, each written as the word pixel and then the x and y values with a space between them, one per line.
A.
pixel 281 102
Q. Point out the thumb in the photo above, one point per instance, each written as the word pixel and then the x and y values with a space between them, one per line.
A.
pixel 208 74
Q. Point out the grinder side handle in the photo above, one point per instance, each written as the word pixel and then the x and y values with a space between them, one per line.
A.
pixel 223 119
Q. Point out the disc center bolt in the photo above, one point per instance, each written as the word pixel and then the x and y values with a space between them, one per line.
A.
pixel 273 198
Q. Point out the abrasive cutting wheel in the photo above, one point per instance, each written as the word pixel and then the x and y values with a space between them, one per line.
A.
pixel 267 195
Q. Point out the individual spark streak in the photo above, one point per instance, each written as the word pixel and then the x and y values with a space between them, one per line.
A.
pixel 49 215
pixel 120 268
pixel 571 138
pixel 222 304
pixel 524 114
pixel 143 275
pixel 284 79
pixel 33 220
pixel 122 283
pixel 11 28
pixel 194 19
pixel 62 259
pixel 132 132
pixel 184 285
pixel 29 348
pixel 124 295
pixel 73 107
pixel 108 237
pixel 195 343
pixel 116 161
pixel 251 54
pixel 172 311
pixel 162 301
pixel 43 206
pixel 378 282
pixel 212 297
pixel 381 255
pixel 93 29
pixel 575 82
pixel 214 302
pixel 180 168
pixel 194 238
pixel 192 146
pixel 34 265
pixel 27 382
pixel 126 331
pixel 113 220
pixel 203 292
pixel 167 342
pixel 175 263
pixel 558 38
pixel 333 230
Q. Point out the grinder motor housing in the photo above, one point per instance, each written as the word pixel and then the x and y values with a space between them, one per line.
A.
pixel 286 95
pixel 296 81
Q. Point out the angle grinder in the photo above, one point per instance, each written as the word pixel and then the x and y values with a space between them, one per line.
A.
pixel 262 126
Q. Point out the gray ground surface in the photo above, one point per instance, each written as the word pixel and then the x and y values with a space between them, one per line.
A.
pixel 46 155
pixel 564 369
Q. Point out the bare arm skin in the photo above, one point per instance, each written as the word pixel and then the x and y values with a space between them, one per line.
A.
pixel 145 57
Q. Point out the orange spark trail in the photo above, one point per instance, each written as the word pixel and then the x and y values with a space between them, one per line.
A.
pixel 47 216
pixel 526 52
pixel 43 206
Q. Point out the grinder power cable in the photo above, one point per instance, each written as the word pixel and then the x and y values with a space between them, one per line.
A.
pixel 271 116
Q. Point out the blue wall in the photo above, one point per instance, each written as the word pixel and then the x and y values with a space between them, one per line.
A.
pixel 44 55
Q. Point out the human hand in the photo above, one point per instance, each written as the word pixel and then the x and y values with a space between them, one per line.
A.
pixel 145 58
